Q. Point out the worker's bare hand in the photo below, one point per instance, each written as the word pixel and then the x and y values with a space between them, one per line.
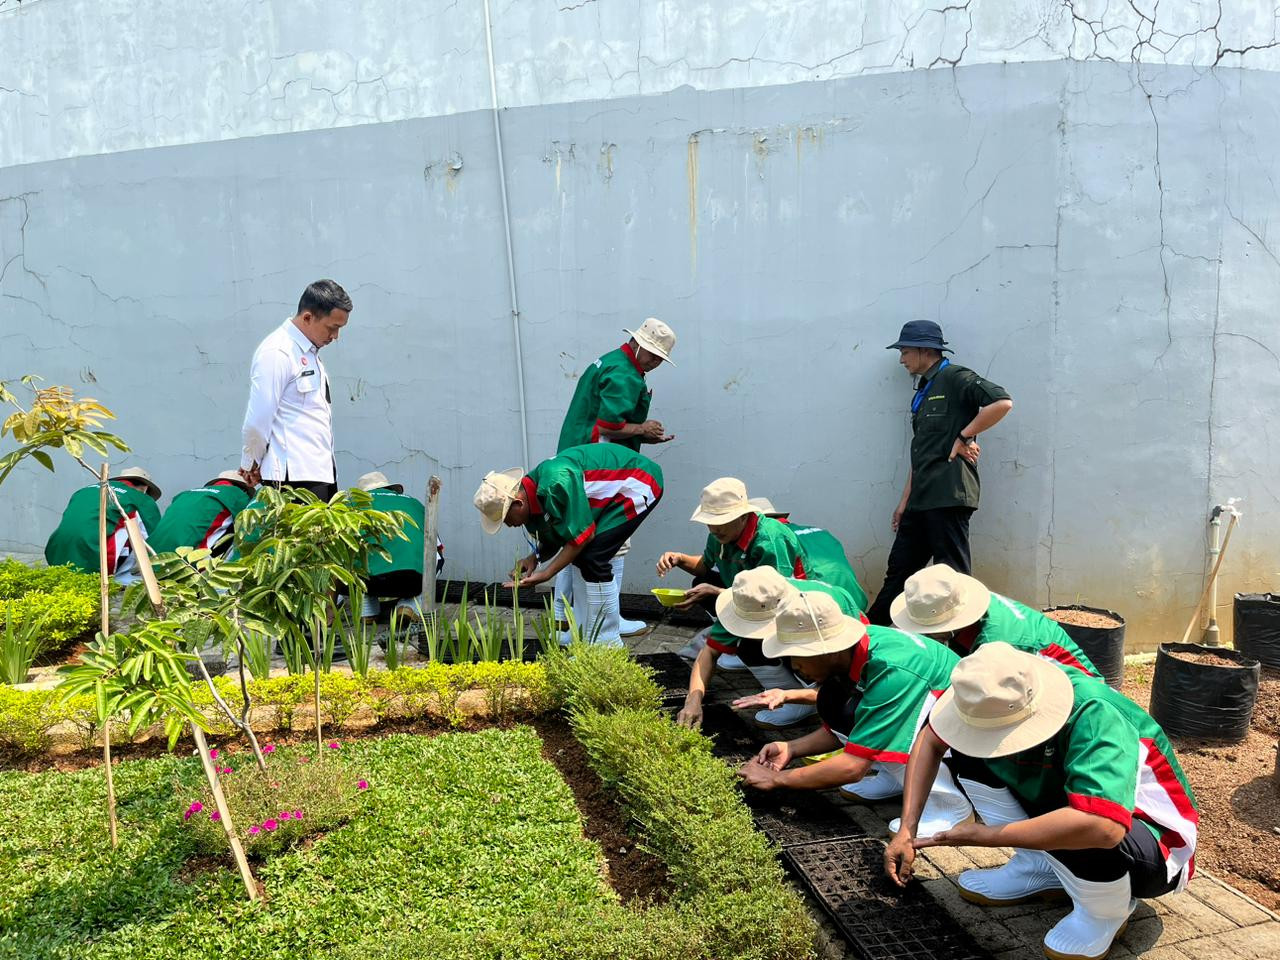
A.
pixel 696 594
pixel 776 754
pixel 690 715
pixel 252 476
pixel 769 699
pixel 756 774
pixel 897 516
pixel 532 580
pixel 899 858
pixel 966 451
pixel 961 835
pixel 669 561
pixel 524 568
pixel 651 431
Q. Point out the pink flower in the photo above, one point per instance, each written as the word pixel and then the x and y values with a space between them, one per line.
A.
pixel 215 815
pixel 271 824
pixel 187 815
pixel 255 829
pixel 196 807
pixel 226 770
pixel 363 785
pixel 286 815
pixel 269 748
pixel 297 814
pixel 213 754
pixel 334 745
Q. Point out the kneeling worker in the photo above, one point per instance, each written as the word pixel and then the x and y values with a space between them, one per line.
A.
pixel 203 518
pixel 580 507
pixel 399 576
pixel 877 685
pixel 75 541
pixel 1077 778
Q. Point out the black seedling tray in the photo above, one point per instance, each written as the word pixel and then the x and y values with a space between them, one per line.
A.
pixel 880 920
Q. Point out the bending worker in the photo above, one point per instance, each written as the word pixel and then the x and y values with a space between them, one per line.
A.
pixel 611 405
pixel 951 406
pixel 399 576
pixel 580 507
pixel 203 518
pixel 1077 778
pixel 75 541
pixel 876 687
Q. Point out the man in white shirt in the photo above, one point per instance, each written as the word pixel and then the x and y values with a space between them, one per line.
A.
pixel 288 426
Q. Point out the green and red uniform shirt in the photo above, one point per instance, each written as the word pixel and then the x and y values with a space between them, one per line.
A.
pixel 202 518
pixel 75 541
pixel 825 560
pixel 1110 759
pixel 764 542
pixel 1030 631
pixel 406 555
pixel 610 394
pixel 586 490
pixel 893 682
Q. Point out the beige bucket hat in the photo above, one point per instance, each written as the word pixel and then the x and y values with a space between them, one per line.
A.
pixel 765 505
pixel 937 599
pixel 140 475
pixel 1001 701
pixel 493 499
pixel 747 608
pixel 723 500
pixel 234 477
pixel 377 480
pixel 809 624
pixel 656 337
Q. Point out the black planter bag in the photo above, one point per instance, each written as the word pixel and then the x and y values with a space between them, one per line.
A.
pixel 1257 626
pixel 1203 700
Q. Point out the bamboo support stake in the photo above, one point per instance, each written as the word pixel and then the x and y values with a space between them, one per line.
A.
pixel 1213 574
pixel 104 582
pixel 430 536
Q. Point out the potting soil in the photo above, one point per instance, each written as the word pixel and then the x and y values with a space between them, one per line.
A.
pixel 1083 618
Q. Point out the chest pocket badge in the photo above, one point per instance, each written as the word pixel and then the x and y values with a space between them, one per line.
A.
pixel 307 381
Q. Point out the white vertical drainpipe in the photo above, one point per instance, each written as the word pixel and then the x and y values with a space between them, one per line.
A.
pixel 1211 634
pixel 506 225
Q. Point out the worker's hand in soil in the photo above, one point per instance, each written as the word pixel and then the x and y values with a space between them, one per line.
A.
pixel 776 755
pixel 651 431
pixel 769 700
pixel 966 451
pixel 961 835
pixel 690 715
pixel 758 775
pixel 692 596
pixel 899 858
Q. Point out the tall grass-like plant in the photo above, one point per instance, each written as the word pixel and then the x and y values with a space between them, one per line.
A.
pixel 19 644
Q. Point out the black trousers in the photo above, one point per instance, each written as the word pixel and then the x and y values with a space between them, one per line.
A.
pixel 595 558
pixel 1137 855
pixel 321 489
pixel 940 535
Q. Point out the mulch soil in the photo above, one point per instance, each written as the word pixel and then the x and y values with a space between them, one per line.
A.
pixel 633 873
pixel 1238 796
pixel 1083 618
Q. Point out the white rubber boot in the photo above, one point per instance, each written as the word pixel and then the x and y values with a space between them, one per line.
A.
pixel 946 807
pixel 878 784
pixel 1100 911
pixel 561 599
pixel 729 661
pixel 602 618
pixel 369 607
pixel 776 675
pixel 1028 874
pixel 628 628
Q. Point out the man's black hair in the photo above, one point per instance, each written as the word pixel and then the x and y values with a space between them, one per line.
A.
pixel 323 297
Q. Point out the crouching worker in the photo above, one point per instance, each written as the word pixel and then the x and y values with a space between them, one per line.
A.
pixel 203 518
pixel 75 541
pixel 877 685
pixel 1078 779
pixel 580 506
pixel 399 576
pixel 745 615
pixel 958 610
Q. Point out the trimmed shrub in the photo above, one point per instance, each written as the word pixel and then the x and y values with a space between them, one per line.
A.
pixel 27 718
pixel 594 677
pixel 63 599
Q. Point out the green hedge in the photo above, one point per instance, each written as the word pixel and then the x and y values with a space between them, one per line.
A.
pixel 66 600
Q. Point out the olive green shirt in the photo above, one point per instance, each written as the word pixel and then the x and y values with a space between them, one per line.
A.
pixel 954 396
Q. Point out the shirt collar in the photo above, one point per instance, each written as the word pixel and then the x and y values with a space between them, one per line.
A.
pixel 931 372
pixel 748 532
pixel 631 355
pixel 861 653
pixel 298 337
pixel 531 492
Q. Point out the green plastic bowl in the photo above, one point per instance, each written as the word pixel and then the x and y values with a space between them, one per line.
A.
pixel 667 596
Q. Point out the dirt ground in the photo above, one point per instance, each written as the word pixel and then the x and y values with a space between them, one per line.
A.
pixel 1238 798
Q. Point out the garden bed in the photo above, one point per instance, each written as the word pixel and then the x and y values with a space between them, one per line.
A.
pixel 1238 798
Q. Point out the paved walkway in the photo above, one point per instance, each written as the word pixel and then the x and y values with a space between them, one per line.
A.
pixel 1210 920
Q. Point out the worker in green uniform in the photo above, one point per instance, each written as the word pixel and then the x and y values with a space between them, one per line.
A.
pixel 1073 775
pixel 744 613
pixel 739 538
pixel 203 518
pixel 824 556
pixel 957 609
pixel 950 407
pixel 75 541
pixel 876 685
pixel 580 506
pixel 611 405
pixel 397 576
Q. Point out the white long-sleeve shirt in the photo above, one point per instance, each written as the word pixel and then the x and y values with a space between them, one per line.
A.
pixel 288 426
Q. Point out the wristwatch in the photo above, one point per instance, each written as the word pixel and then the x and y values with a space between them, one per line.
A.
pixel 968 441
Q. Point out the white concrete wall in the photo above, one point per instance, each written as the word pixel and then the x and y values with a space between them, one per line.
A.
pixel 1094 235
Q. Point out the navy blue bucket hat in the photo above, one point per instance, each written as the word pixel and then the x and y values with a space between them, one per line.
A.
pixel 920 333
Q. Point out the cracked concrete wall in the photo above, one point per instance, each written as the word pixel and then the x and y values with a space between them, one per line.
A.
pixel 1093 235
